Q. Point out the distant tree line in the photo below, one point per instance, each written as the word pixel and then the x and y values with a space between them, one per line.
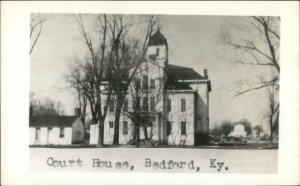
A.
pixel 44 107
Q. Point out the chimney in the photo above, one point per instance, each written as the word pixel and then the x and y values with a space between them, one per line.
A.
pixel 205 74
pixel 77 112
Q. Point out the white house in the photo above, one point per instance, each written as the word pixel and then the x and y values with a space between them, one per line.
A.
pixel 238 130
pixel 55 130
pixel 171 101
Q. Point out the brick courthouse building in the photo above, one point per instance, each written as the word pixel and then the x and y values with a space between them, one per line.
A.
pixel 174 99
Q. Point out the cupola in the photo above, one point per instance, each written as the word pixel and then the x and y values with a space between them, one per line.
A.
pixel 158 48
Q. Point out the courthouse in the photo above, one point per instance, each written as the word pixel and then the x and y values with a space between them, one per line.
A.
pixel 172 102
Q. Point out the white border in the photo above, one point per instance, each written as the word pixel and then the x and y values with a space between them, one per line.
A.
pixel 15 92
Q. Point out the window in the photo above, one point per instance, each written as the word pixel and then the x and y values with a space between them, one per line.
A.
pixel 111 124
pixel 125 127
pixel 183 128
pixel 169 127
pixel 157 51
pixel 145 82
pixel 38 135
pixel 145 103
pixel 152 103
pixel 125 105
pixel 61 132
pixel 183 105
pixel 111 106
pixel 138 83
pixel 137 103
pixel 169 105
pixel 49 130
pixel 110 128
pixel 152 83
pixel 152 57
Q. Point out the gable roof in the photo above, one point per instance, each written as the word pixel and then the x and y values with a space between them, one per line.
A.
pixel 178 86
pixel 51 121
pixel 175 73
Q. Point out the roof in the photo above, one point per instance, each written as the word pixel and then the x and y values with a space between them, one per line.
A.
pixel 178 86
pixel 52 121
pixel 157 39
pixel 175 73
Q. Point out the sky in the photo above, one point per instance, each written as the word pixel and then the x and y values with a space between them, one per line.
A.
pixel 194 41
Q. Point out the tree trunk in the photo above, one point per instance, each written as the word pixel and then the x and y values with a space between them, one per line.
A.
pixel 101 134
pixel 83 113
pixel 145 132
pixel 271 137
pixel 101 119
pixel 94 117
pixel 271 130
pixel 117 128
pixel 134 132
pixel 93 111
pixel 120 100
pixel 137 136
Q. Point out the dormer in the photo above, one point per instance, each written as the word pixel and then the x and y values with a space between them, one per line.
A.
pixel 158 48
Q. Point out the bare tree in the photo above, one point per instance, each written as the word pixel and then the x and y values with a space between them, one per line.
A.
pixel 112 53
pixel 141 108
pixel 259 45
pixel 78 81
pixel 258 129
pixel 273 112
pixel 226 127
pixel 129 53
pixel 36 25
pixel 97 67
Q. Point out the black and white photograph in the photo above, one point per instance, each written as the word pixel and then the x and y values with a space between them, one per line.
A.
pixel 154 81
pixel 114 92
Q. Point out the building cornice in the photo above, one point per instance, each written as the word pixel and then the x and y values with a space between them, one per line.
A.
pixel 181 91
pixel 202 81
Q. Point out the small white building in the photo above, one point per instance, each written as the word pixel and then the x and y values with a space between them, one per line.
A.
pixel 238 130
pixel 55 130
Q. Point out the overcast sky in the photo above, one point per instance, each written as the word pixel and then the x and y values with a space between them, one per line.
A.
pixel 193 42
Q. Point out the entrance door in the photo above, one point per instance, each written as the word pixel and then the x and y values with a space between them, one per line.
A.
pixel 148 131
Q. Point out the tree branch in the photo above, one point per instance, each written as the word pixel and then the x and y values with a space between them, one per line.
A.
pixel 36 39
